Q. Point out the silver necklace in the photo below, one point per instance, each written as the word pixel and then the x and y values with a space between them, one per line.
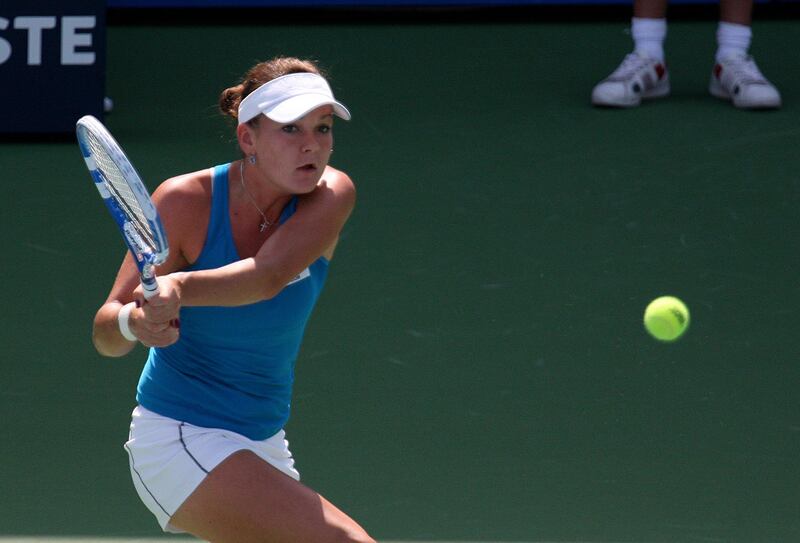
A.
pixel 264 223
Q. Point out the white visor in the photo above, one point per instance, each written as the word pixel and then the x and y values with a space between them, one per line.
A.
pixel 288 98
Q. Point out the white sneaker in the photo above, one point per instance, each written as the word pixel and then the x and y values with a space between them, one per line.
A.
pixel 738 79
pixel 636 78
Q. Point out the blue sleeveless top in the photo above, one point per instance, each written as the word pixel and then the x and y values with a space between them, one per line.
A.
pixel 233 367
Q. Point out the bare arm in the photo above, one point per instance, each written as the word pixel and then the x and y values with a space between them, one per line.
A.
pixel 307 235
pixel 310 233
pixel 153 322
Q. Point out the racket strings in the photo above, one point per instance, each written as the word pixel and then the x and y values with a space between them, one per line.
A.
pixel 115 181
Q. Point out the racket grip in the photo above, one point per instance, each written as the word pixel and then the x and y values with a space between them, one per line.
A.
pixel 150 287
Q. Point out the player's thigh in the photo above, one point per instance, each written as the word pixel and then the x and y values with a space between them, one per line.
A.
pixel 244 499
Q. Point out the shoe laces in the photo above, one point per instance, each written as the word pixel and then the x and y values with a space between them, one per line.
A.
pixel 631 64
pixel 744 69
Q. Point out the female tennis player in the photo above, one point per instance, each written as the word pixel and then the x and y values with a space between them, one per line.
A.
pixel 250 242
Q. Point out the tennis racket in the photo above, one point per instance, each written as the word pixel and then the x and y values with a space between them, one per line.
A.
pixel 126 198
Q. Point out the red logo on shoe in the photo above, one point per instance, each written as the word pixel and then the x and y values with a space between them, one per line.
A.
pixel 717 70
pixel 660 70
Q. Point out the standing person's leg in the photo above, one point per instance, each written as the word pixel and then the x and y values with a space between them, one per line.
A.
pixel 739 12
pixel 246 500
pixel 734 33
pixel 650 9
pixel 642 73
pixel 735 75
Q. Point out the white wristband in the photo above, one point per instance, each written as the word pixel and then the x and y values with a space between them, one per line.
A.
pixel 122 319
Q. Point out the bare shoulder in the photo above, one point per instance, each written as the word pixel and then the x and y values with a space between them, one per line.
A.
pixel 184 204
pixel 330 204
pixel 185 192
pixel 337 179
pixel 335 188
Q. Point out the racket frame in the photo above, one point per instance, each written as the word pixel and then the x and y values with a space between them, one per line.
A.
pixel 145 257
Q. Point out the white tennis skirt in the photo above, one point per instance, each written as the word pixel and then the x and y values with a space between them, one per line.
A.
pixel 170 458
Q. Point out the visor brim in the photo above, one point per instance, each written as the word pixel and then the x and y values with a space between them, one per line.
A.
pixel 297 107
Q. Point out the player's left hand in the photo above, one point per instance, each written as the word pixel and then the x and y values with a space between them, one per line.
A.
pixel 162 311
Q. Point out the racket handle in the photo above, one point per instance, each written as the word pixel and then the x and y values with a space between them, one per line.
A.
pixel 150 287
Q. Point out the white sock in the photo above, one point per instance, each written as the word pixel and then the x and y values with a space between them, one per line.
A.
pixel 732 40
pixel 648 37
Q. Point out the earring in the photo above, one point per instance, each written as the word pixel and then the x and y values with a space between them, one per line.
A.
pixel 251 159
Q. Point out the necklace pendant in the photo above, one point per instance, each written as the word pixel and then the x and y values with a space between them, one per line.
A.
pixel 262 226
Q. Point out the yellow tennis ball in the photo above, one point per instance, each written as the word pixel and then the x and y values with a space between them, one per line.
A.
pixel 666 318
